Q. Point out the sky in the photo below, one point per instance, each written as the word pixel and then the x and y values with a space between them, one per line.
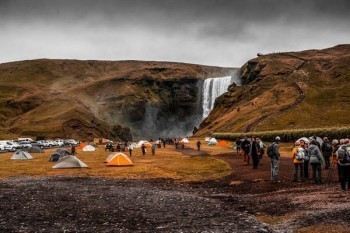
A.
pixel 210 32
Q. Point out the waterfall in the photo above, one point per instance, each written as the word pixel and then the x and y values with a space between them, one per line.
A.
pixel 213 88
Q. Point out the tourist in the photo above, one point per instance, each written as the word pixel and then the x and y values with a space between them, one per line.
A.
pixel 198 145
pixel 246 149
pixel 336 146
pixel 261 146
pixel 274 154
pixel 298 160
pixel 306 161
pixel 238 146
pixel 143 148
pixel 315 160
pixel 153 148
pixel 130 149
pixel 182 145
pixel 327 151
pixel 73 150
pixel 343 155
pixel 254 153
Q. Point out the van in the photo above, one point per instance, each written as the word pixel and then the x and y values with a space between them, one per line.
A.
pixel 25 140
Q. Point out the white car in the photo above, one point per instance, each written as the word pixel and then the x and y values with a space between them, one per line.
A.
pixel 71 142
pixel 59 142
pixel 10 145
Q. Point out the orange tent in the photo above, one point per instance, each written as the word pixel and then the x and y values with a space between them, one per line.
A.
pixel 81 146
pixel 147 145
pixel 119 159
pixel 222 143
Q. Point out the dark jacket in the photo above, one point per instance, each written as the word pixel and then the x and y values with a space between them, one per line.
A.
pixel 246 146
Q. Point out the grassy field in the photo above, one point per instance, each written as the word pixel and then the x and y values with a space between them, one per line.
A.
pixel 167 163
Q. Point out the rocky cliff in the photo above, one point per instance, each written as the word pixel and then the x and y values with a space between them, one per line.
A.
pixel 306 89
pixel 86 99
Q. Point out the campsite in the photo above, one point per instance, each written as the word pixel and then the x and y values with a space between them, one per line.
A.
pixel 181 187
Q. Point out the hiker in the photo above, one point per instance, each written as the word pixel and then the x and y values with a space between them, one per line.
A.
pixel 143 148
pixel 198 145
pixel 163 140
pixel 176 145
pixel 274 154
pixel 343 155
pixel 306 161
pixel 261 146
pixel 153 148
pixel 254 153
pixel 182 145
pixel 238 146
pixel 246 149
pixel 327 151
pixel 130 149
pixel 298 160
pixel 317 142
pixel 118 147
pixel 73 150
pixel 336 146
pixel 315 160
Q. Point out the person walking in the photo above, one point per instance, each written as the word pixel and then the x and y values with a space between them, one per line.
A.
pixel 238 146
pixel 298 160
pixel 130 149
pixel 246 149
pixel 316 161
pixel 143 148
pixel 274 154
pixel 306 161
pixel 254 153
pixel 336 146
pixel 153 148
pixel 327 151
pixel 198 145
pixel 261 148
pixel 343 155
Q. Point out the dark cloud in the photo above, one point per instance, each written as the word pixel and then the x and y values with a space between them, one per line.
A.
pixel 214 32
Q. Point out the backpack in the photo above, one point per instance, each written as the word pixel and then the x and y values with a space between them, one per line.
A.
pixel 270 151
pixel 328 147
pixel 343 155
pixel 300 155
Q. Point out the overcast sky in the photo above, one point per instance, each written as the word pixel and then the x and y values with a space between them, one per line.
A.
pixel 211 32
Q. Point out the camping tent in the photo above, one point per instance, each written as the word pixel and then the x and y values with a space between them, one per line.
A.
pixel 317 139
pixel 222 143
pixel 55 157
pixel 35 149
pixel 185 140
pixel 81 146
pixel 212 142
pixel 139 144
pixel 63 151
pixel 69 162
pixel 207 139
pixel 119 159
pixel 21 155
pixel 89 148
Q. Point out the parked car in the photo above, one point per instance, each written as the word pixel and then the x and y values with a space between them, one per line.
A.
pixel 37 143
pixel 25 144
pixel 59 142
pixel 10 145
pixel 70 142
pixel 26 140
pixel 48 143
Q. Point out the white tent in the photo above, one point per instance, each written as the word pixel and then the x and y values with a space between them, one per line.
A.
pixel 185 140
pixel 89 148
pixel 207 139
pixel 69 161
pixel 305 139
pixel 139 144
pixel 317 139
pixel 21 155
pixel 212 141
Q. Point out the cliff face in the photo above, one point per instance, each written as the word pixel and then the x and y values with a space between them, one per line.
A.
pixel 86 99
pixel 305 89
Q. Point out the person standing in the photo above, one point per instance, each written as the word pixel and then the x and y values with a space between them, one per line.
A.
pixel 327 151
pixel 316 161
pixel 254 152
pixel 246 149
pixel 143 148
pixel 198 145
pixel 153 148
pixel 261 148
pixel 306 161
pixel 274 154
pixel 130 149
pixel 73 150
pixel 298 160
pixel 343 155
pixel 238 146
pixel 336 146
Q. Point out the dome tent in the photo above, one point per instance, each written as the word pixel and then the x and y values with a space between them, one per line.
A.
pixel 21 155
pixel 119 159
pixel 69 161
pixel 212 142
pixel 89 148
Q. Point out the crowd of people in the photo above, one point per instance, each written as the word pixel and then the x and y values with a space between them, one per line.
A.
pixel 306 153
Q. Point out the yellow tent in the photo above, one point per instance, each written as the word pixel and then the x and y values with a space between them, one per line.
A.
pixel 119 159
